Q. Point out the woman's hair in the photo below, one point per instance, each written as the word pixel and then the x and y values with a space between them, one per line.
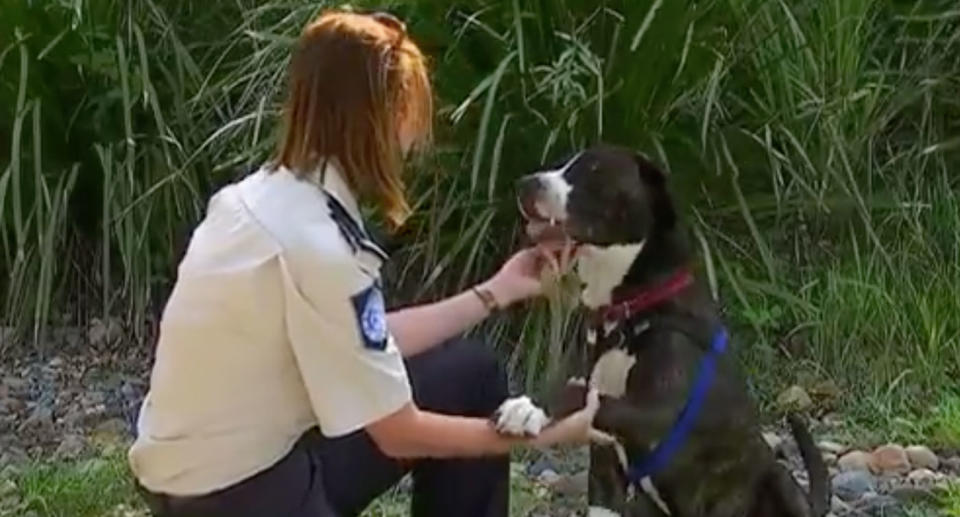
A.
pixel 354 79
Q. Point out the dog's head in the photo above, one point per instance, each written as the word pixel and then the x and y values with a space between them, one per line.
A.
pixel 609 201
pixel 603 196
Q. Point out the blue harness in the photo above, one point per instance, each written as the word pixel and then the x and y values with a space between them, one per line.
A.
pixel 661 455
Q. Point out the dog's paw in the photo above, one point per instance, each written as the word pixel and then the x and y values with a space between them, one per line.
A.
pixel 519 416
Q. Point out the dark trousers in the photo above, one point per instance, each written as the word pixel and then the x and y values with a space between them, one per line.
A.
pixel 324 477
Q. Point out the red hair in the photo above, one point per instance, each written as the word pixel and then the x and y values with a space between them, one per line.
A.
pixel 354 80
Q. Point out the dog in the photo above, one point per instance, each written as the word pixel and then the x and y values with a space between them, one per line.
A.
pixel 688 441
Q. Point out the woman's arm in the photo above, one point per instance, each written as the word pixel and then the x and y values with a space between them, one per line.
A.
pixel 419 328
pixel 412 433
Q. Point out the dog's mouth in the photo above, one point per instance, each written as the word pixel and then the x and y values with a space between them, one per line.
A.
pixel 540 228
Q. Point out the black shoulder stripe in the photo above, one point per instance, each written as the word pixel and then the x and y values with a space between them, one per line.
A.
pixel 352 232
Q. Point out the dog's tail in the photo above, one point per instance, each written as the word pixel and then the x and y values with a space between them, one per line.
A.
pixel 819 495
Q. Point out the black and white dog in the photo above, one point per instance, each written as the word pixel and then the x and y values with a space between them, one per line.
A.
pixel 688 442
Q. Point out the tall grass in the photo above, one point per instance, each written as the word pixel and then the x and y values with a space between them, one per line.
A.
pixel 812 145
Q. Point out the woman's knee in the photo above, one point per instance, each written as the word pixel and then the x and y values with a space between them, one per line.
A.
pixel 463 376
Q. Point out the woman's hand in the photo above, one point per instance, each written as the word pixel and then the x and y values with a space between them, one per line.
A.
pixel 576 428
pixel 520 276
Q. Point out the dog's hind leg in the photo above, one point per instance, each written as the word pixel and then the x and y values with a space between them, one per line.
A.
pixel 607 483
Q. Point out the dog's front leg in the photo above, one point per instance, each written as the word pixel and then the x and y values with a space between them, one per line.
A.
pixel 620 417
pixel 607 482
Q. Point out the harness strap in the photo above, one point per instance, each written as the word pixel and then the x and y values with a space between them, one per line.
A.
pixel 661 455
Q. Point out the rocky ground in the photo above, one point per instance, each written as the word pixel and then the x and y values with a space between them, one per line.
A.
pixel 68 406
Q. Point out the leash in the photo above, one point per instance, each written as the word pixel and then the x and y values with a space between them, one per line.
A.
pixel 661 455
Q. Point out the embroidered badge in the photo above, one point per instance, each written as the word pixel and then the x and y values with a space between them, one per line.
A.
pixel 371 317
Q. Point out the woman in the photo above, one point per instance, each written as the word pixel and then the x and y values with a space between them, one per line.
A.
pixel 281 387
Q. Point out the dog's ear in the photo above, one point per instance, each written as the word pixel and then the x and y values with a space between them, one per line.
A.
pixel 656 181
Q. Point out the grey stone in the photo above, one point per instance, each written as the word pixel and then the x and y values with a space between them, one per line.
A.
pixel 922 457
pixel 548 477
pixel 923 477
pixel 541 464
pixel 852 485
pixel 854 460
pixel 952 464
pixel 832 447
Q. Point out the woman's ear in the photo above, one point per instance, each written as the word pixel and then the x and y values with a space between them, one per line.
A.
pixel 655 181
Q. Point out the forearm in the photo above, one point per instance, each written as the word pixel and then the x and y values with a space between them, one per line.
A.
pixel 419 328
pixel 434 435
pixel 412 433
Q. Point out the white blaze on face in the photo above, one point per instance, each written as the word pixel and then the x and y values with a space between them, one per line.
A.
pixel 601 269
pixel 551 204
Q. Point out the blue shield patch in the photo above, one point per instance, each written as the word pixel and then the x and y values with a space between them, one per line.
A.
pixel 371 317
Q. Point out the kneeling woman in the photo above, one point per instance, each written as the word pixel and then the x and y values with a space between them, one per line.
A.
pixel 281 387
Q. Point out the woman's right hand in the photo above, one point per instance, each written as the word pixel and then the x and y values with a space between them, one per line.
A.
pixel 577 428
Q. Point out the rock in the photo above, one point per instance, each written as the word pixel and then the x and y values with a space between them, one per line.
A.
pixel 774 441
pixel 951 464
pixel 854 460
pixel 922 457
pixel 852 485
pixel 923 477
pixel 537 467
pixel 794 398
pixel 548 477
pixel 832 447
pixel 70 447
pixel 829 459
pixel 56 362
pixel 890 459
pixel 572 486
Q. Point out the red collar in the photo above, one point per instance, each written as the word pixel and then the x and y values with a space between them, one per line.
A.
pixel 644 298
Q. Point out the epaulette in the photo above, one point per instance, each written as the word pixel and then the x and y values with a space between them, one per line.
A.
pixel 354 234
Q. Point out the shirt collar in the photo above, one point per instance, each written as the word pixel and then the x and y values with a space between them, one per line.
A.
pixel 328 177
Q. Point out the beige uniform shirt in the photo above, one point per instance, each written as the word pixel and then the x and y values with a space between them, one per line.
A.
pixel 276 324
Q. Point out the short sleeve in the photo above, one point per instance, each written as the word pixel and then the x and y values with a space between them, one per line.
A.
pixel 336 324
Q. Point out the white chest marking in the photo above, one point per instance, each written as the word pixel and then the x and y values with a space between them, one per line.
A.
pixel 610 373
pixel 602 269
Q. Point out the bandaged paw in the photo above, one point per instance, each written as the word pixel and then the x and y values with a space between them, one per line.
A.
pixel 519 416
